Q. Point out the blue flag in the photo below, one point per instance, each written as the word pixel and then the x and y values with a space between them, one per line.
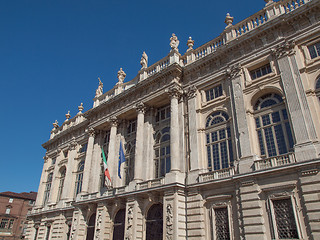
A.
pixel 121 158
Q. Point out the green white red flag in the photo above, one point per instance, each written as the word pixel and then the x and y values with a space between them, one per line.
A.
pixel 105 166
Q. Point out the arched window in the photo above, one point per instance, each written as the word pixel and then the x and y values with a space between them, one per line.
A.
pixel 154 222
pixel 79 177
pixel 162 152
pixel 91 227
pixel 130 151
pixel 318 87
pixel 118 226
pixel 219 141
pixel 48 188
pixel 272 125
pixel 61 182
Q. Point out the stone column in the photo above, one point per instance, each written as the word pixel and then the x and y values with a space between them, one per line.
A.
pixel 88 161
pixel 42 185
pixel 174 93
pixel 55 180
pixel 112 153
pixel 243 146
pixel 96 165
pixel 148 150
pixel 297 104
pixel 67 193
pixel 138 163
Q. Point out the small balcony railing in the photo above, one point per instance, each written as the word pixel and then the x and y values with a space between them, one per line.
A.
pixel 218 174
pixel 150 183
pixel 274 161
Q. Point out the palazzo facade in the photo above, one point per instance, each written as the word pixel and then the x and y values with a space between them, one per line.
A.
pixel 221 142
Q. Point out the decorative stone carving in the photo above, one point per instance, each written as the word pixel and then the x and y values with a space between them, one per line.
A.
pixel 169 222
pixel 284 49
pixel 228 20
pixel 55 125
pixel 99 90
pixel 144 60
pixel 72 145
pixel 190 44
pixel 113 121
pixel 174 42
pixel 80 108
pixel 121 76
pixel 140 108
pixel 91 132
pixel 234 71
pixel 191 92
pixel 175 91
pixel 98 224
pixel 67 116
pixel 129 229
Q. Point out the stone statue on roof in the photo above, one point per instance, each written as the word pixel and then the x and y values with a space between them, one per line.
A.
pixel 144 60
pixel 174 42
pixel 121 76
pixel 99 90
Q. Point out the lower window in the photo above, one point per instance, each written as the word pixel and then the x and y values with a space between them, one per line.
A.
pixel 220 229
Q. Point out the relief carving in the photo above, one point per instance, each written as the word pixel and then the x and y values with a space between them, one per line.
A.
pixel 98 225
pixel 234 71
pixel 129 225
pixel 284 49
pixel 169 223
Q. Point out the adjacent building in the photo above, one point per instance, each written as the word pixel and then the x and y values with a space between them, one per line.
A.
pixel 221 142
pixel 14 208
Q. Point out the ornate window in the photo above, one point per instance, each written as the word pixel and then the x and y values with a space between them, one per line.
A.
pixel 272 125
pixel 219 141
pixel 154 223
pixel 314 50
pixel 214 92
pixel 162 152
pixel 91 227
pixel 260 71
pixel 118 226
pixel 47 188
pixel 61 182
pixel 163 114
pixel 79 177
pixel 220 229
pixel 130 151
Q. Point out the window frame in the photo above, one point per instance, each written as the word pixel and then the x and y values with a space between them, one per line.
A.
pixel 313 44
pixel 158 158
pixel 47 190
pixel 78 173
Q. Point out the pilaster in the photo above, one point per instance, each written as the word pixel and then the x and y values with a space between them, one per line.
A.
pixel 88 161
pixel 43 178
pixel 55 178
pixel 301 120
pixel 112 150
pixel 133 225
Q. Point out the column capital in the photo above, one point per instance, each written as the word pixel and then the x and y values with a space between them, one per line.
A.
pixel 114 122
pixel 284 49
pixel 234 71
pixel 191 92
pixel 174 91
pixel 140 108
pixel 45 158
pixel 72 145
pixel 91 131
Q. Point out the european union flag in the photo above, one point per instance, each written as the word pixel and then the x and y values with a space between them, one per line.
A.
pixel 121 158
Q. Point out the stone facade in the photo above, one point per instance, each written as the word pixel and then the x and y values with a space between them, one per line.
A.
pixel 220 143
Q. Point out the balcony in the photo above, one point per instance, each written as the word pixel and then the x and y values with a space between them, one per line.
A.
pixel 218 174
pixel 276 161
pixel 150 183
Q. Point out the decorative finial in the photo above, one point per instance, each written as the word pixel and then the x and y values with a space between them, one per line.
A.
pixel 190 44
pixel 228 20
pixel 80 108
pixel 99 90
pixel 174 42
pixel 68 116
pixel 144 60
pixel 55 124
pixel 121 76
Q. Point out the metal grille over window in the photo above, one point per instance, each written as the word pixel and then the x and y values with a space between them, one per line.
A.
pixel 273 127
pixel 214 92
pixel 221 224
pixel 285 220
pixel 219 142
pixel 261 71
pixel 314 50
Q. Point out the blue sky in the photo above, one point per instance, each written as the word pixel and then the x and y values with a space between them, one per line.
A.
pixel 53 51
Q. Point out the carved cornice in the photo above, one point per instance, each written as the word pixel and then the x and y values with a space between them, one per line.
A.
pixel 234 71
pixel 284 49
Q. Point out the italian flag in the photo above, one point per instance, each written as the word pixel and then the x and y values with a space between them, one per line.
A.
pixel 106 170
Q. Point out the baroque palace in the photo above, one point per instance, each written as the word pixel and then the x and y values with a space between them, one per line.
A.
pixel 221 142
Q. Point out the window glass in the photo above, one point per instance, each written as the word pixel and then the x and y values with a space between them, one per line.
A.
pixel 261 71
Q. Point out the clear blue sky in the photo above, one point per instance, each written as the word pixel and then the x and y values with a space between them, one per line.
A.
pixel 53 51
